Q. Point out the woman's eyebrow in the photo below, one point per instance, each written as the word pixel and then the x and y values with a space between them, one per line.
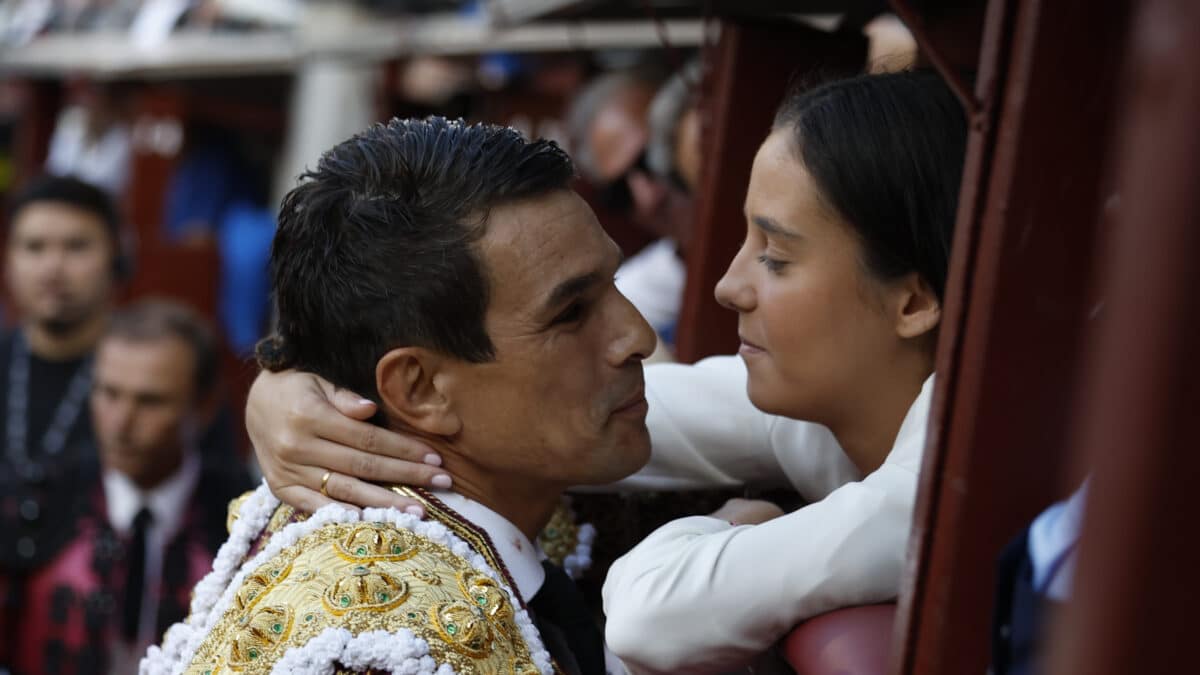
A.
pixel 772 226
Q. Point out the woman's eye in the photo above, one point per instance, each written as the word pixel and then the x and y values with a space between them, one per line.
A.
pixel 772 264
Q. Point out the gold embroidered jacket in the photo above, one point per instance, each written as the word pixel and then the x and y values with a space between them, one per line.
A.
pixel 381 592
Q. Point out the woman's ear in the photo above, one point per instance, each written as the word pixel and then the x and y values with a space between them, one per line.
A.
pixel 409 391
pixel 918 309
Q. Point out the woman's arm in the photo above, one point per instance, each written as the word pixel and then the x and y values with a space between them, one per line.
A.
pixel 702 593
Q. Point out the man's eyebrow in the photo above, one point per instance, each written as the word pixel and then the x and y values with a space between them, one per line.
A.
pixel 577 285
pixel 569 289
pixel 772 226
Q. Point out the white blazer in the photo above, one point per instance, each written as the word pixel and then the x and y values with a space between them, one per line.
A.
pixel 700 595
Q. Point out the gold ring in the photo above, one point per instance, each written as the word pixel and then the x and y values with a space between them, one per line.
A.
pixel 325 482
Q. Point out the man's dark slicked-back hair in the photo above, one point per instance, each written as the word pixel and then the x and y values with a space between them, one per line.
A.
pixel 375 248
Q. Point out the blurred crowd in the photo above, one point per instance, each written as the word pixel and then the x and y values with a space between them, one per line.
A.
pixel 120 421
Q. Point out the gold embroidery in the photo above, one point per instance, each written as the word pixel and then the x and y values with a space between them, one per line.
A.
pixel 560 537
pixel 235 510
pixel 365 577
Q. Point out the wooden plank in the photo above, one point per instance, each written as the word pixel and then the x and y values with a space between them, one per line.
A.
pixel 1017 313
pixel 752 68
pixel 1136 592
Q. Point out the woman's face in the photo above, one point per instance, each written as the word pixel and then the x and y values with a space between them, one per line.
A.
pixel 815 325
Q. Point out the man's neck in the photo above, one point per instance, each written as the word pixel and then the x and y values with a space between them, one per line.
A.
pixel 77 342
pixel 526 504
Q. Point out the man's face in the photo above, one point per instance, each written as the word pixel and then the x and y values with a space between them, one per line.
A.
pixel 563 400
pixel 142 405
pixel 617 140
pixel 59 264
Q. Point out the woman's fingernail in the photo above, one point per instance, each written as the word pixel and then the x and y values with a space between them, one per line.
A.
pixel 433 460
pixel 441 480
pixel 415 510
pixel 365 401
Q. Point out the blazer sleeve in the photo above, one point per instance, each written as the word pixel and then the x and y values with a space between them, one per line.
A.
pixel 704 432
pixel 701 594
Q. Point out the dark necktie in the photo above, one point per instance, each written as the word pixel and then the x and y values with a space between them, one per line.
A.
pixel 135 580
pixel 566 625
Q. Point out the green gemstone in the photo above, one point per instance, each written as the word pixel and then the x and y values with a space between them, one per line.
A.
pixel 481 599
pixel 208 672
pixel 362 550
pixel 451 629
pixel 251 595
pixel 383 597
pixel 551 532
pixel 345 601
pixel 308 617
pixel 397 549
pixel 277 628
pixel 253 654
pixel 412 615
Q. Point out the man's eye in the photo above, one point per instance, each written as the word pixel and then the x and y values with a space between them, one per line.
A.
pixel 571 314
pixel 772 264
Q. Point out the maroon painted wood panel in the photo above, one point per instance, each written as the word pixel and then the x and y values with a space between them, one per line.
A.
pixel 1137 592
pixel 1018 309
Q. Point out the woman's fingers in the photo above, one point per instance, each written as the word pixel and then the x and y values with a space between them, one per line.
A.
pixel 351 404
pixel 328 423
pixel 303 499
pixel 343 488
pixel 375 468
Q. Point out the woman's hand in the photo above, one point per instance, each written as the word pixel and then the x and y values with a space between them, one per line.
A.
pixel 302 426
pixel 747 511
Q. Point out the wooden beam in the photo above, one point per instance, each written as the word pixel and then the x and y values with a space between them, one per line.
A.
pixel 1017 315
pixel 752 66
pixel 1136 593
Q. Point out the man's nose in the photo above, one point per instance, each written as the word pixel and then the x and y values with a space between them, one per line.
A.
pixel 52 261
pixel 636 339
pixel 122 416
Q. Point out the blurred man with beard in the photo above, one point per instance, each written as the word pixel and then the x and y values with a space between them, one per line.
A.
pixel 62 264
pixel 153 517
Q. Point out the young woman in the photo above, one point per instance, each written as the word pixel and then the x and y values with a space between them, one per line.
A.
pixel 838 288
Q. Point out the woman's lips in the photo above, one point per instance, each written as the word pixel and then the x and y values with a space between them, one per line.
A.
pixel 748 348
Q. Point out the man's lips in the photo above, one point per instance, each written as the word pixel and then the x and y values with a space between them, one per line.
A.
pixel 634 401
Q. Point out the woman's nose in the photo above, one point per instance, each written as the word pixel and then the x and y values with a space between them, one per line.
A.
pixel 735 290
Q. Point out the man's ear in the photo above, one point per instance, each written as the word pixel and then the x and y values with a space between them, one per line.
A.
pixel 918 309
pixel 410 391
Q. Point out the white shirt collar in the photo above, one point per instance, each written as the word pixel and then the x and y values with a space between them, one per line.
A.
pixel 167 501
pixel 910 441
pixel 523 559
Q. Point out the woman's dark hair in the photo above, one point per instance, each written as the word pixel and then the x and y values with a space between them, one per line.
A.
pixel 375 248
pixel 886 152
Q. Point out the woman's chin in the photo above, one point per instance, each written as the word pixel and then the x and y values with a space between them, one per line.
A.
pixel 766 397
